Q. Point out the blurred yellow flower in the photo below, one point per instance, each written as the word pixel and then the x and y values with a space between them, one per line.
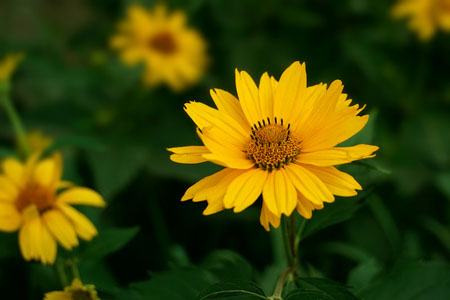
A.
pixel 425 16
pixel 278 140
pixel 9 64
pixel 37 141
pixel 171 52
pixel 77 291
pixel 35 201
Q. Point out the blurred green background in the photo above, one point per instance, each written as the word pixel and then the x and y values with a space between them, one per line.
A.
pixel 391 242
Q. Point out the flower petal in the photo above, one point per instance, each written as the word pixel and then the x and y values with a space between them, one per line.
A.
pixel 36 242
pixel 245 189
pixel 279 194
pixel 194 192
pixel 267 217
pixel 228 104
pixel 81 196
pixel 308 184
pixel 10 218
pixel 188 154
pixel 8 190
pixel 83 226
pixel 61 228
pixel 337 155
pixel 58 295
pixel 48 171
pixel 248 97
pixel 339 183
pixel 14 170
pixel 266 96
pixel 290 93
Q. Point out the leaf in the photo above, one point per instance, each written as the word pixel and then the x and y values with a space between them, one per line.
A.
pixel 339 211
pixel 226 265
pixel 108 241
pixel 235 289
pixel 174 285
pixel 364 273
pixel 412 280
pixel 318 289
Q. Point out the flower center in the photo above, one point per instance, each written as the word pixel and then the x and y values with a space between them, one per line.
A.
pixel 272 146
pixel 34 193
pixel 163 42
pixel 81 295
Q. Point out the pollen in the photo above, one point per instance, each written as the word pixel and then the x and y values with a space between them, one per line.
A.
pixel 272 145
pixel 35 193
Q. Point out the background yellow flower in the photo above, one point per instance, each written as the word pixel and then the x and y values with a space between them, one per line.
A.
pixel 35 201
pixel 76 291
pixel 171 52
pixel 8 64
pixel 425 16
pixel 278 140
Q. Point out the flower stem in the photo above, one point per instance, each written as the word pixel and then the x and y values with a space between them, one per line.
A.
pixel 60 271
pixel 280 283
pixel 74 268
pixel 14 118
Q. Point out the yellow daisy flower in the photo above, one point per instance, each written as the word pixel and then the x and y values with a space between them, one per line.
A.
pixel 425 16
pixel 171 52
pixel 278 140
pixel 35 201
pixel 9 64
pixel 77 291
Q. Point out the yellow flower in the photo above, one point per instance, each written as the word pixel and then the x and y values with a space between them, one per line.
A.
pixel 77 291
pixel 37 141
pixel 9 64
pixel 171 52
pixel 278 140
pixel 35 201
pixel 425 16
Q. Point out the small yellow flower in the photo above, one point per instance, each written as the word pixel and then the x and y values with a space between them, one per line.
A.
pixel 9 64
pixel 425 16
pixel 278 140
pixel 171 52
pixel 38 142
pixel 77 291
pixel 35 201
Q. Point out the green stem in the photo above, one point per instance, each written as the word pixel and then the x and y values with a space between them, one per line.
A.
pixel 14 118
pixel 74 268
pixel 280 283
pixel 59 267
pixel 299 235
pixel 287 241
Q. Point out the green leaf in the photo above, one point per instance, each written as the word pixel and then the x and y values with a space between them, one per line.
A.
pixel 235 289
pixel 108 241
pixel 318 289
pixel 174 285
pixel 364 273
pixel 412 280
pixel 226 265
pixel 339 211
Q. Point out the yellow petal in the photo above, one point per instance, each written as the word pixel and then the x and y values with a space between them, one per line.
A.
pixel 267 217
pixel 245 189
pixel 248 97
pixel 48 171
pixel 8 190
pixel 81 196
pixel 203 184
pixel 36 242
pixel 48 254
pixel 228 104
pixel 339 183
pixel 308 184
pixel 207 117
pixel 188 154
pixel 13 170
pixel 58 295
pixel 290 94
pixel 266 97
pixel 337 155
pixel 304 207
pixel 83 226
pixel 279 194
pixel 61 228
pixel 25 242
pixel 10 218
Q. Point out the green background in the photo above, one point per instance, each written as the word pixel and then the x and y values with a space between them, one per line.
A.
pixel 390 242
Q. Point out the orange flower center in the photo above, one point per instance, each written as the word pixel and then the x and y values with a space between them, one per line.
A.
pixel 272 146
pixel 81 295
pixel 35 193
pixel 163 42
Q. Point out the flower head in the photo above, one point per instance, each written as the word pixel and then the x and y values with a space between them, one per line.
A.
pixel 9 64
pixel 36 202
pixel 171 52
pixel 37 141
pixel 278 140
pixel 425 16
pixel 76 291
